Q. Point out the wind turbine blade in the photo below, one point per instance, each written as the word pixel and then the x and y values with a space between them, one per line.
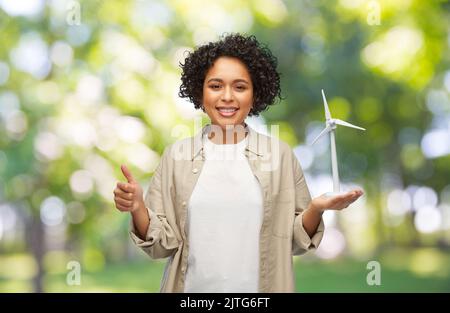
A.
pixel 344 123
pixel 323 132
pixel 325 104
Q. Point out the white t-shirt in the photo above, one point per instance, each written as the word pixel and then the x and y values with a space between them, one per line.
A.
pixel 225 215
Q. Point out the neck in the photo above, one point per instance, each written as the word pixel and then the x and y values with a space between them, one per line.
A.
pixel 232 134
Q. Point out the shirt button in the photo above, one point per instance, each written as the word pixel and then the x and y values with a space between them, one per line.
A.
pixel 184 203
pixel 195 170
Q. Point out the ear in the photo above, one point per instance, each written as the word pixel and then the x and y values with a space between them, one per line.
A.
pixel 200 101
pixel 252 108
pixel 202 107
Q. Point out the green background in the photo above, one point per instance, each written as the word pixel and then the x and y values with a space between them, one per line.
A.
pixel 88 85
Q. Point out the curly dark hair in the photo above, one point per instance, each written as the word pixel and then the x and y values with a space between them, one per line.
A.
pixel 260 62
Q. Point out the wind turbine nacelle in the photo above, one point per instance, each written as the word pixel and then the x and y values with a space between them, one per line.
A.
pixel 332 123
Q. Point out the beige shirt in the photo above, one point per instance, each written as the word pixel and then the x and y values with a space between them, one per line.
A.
pixel 285 197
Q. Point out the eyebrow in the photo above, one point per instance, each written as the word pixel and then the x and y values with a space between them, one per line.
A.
pixel 239 80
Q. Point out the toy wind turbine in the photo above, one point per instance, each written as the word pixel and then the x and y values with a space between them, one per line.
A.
pixel 330 128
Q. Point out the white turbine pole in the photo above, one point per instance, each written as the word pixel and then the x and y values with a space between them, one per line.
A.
pixel 334 164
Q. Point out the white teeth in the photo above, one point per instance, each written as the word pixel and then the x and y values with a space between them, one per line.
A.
pixel 227 110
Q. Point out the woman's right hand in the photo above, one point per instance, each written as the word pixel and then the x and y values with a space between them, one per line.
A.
pixel 128 197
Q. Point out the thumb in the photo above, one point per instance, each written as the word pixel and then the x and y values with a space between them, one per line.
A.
pixel 126 172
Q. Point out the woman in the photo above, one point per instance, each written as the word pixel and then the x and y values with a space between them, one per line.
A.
pixel 229 207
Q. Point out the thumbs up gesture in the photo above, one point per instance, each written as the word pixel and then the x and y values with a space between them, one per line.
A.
pixel 128 197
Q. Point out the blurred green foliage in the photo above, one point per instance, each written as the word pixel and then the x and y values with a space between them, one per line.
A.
pixel 88 85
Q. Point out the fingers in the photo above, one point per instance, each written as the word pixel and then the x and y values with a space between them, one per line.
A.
pixel 123 191
pixel 125 187
pixel 123 202
pixel 352 195
pixel 343 201
pixel 123 208
pixel 126 172
pixel 357 192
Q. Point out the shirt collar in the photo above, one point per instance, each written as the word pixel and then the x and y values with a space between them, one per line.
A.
pixel 252 145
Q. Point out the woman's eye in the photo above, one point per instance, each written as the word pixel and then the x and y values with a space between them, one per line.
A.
pixel 240 88
pixel 215 86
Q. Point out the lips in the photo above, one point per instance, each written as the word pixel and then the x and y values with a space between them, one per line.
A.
pixel 227 111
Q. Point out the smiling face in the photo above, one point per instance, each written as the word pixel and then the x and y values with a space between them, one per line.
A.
pixel 227 92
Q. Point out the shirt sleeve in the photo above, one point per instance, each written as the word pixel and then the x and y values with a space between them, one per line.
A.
pixel 160 240
pixel 301 241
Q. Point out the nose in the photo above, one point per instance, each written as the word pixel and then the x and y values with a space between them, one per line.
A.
pixel 227 95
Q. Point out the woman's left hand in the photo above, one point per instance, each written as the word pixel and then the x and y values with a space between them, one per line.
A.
pixel 339 202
